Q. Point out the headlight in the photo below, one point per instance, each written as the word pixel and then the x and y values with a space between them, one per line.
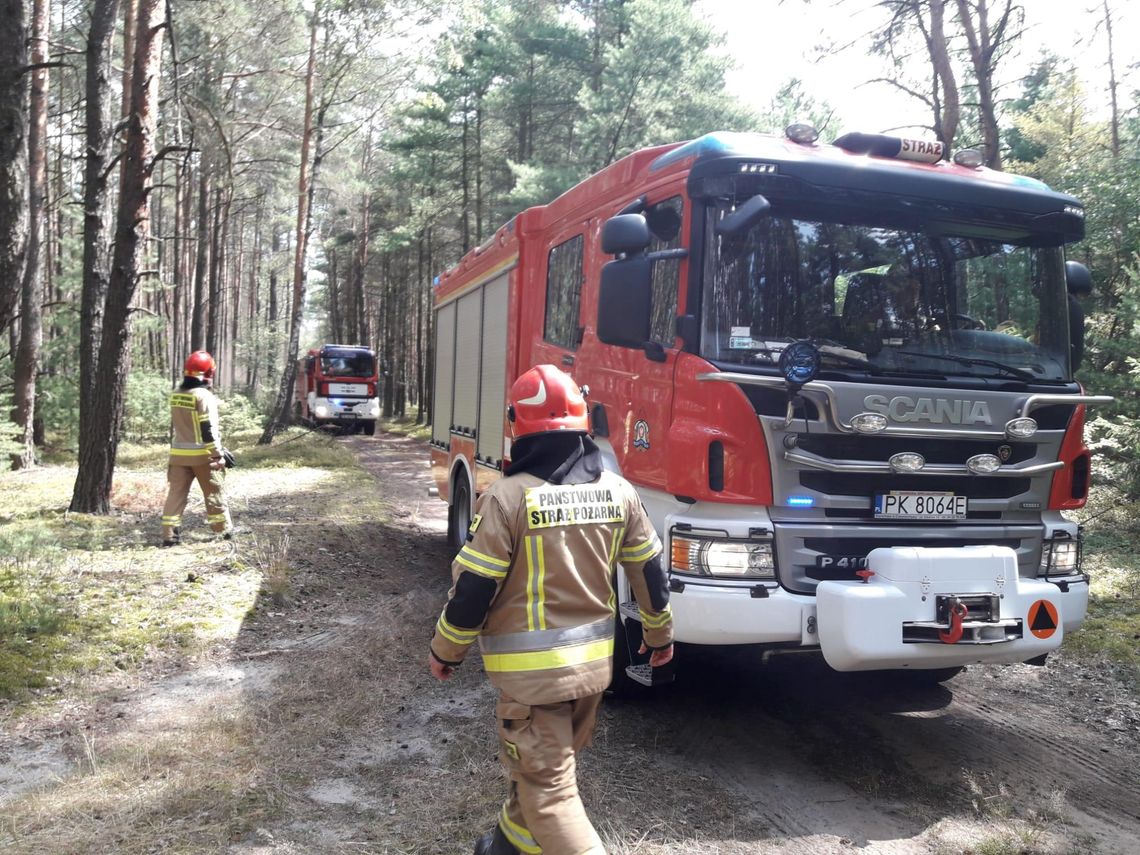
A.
pixel 320 411
pixel 1061 557
pixel 742 559
pixel 374 409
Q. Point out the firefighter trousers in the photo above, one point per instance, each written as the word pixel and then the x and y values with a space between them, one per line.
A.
pixel 179 477
pixel 538 747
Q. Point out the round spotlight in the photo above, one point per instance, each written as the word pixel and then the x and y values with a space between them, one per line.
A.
pixel 907 461
pixel 802 133
pixel 969 157
pixel 869 422
pixel 1021 428
pixel 799 363
pixel 983 464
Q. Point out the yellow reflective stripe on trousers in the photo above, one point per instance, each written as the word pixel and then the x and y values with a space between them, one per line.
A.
pixel 522 839
pixel 189 452
pixel 535 584
pixel 545 660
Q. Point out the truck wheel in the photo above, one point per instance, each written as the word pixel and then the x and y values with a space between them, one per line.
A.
pixel 370 428
pixel 459 514
pixel 627 638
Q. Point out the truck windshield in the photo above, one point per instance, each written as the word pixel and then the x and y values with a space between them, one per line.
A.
pixel 347 365
pixel 885 300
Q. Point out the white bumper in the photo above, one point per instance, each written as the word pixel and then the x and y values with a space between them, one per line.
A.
pixel 892 620
pixel 347 409
pixel 873 625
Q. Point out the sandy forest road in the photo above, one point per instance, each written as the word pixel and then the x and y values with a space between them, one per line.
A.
pixel 317 729
pixel 813 761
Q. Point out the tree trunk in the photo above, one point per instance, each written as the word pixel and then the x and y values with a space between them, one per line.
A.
pixel 946 121
pixel 1112 84
pixel 97 145
pixel 214 300
pixel 201 258
pixel 31 302
pixel 99 447
pixel 13 155
pixel 282 407
pixel 984 44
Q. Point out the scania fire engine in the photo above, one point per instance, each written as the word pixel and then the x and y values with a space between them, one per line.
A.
pixel 336 385
pixel 840 376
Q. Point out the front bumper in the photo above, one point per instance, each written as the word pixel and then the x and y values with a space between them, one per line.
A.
pixel 345 411
pixel 893 620
pixel 887 622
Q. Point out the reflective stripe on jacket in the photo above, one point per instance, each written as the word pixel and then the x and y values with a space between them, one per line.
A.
pixel 534 583
pixel 194 434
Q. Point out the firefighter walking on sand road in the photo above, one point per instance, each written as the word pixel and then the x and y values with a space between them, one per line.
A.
pixel 196 452
pixel 534 583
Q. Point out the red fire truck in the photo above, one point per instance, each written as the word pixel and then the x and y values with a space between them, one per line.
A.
pixel 336 385
pixel 840 376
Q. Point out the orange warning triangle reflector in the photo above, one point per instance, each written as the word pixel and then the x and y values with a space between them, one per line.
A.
pixel 1043 619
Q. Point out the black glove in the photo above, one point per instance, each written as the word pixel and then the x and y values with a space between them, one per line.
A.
pixel 228 457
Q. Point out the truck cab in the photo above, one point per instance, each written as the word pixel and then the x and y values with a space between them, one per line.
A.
pixel 840 377
pixel 337 386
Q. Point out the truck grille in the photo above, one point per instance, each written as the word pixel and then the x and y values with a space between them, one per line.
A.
pixel 867 485
pixel 880 448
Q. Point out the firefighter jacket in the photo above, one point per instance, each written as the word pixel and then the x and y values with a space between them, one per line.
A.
pixel 535 584
pixel 195 438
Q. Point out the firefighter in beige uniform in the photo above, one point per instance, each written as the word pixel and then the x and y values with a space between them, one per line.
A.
pixel 535 585
pixel 196 451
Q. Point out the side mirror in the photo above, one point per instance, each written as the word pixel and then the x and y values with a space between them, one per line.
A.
pixel 752 211
pixel 1077 278
pixel 625 297
pixel 625 234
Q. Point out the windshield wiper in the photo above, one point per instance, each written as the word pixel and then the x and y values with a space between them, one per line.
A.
pixel 853 361
pixel 1019 373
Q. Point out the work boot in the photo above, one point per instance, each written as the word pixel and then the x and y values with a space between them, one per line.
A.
pixel 494 843
pixel 173 541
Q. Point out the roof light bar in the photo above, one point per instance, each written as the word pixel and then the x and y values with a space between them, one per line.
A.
pixel 898 148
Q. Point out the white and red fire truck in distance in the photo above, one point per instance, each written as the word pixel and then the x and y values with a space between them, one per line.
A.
pixel 841 377
pixel 337 386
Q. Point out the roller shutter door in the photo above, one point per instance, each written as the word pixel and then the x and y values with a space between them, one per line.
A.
pixel 444 373
pixel 492 395
pixel 467 351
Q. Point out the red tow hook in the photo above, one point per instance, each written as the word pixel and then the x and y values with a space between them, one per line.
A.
pixel 865 575
pixel 958 612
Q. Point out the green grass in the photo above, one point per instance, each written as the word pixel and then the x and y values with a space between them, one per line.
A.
pixel 67 610
pixel 1112 628
pixel 405 427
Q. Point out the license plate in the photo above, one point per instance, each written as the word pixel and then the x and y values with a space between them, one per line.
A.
pixel 914 505
pixel 841 562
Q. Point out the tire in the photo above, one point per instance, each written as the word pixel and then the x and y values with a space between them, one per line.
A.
pixel 459 514
pixel 369 428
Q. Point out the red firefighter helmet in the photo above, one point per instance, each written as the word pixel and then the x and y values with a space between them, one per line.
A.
pixel 545 399
pixel 199 364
